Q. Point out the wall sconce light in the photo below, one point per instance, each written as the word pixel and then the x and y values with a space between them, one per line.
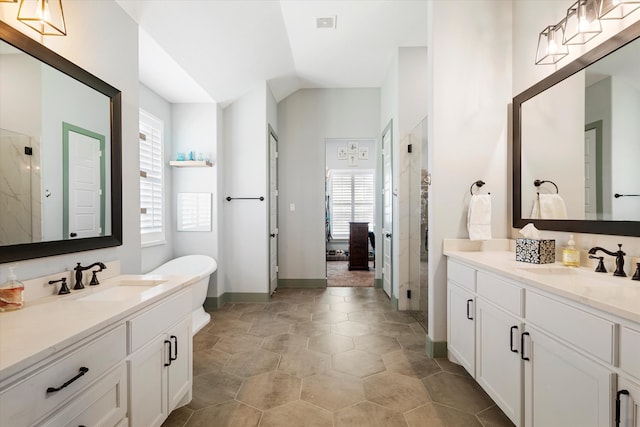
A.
pixel 582 23
pixel 550 47
pixel 44 16
pixel 617 9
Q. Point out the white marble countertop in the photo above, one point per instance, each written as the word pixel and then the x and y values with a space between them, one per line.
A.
pixel 619 296
pixel 46 326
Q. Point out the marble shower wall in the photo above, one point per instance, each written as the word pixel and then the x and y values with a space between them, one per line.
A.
pixel 20 195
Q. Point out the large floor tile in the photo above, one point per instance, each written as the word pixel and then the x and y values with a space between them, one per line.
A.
pixel 367 414
pixel 237 344
pixel 410 363
pixel 330 343
pixel 298 413
pixel 227 414
pixel 332 390
pixel 350 328
pixel 329 317
pixel 285 343
pixel 214 388
pixel 310 329
pixel 457 391
pixel 358 363
pixel 494 417
pixel 251 363
pixel 435 415
pixel 378 344
pixel 394 391
pixel 269 390
pixel 266 328
pixel 304 363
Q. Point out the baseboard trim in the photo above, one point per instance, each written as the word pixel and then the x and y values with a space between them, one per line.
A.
pixel 435 349
pixel 302 283
pixel 394 302
pixel 216 303
pixel 377 283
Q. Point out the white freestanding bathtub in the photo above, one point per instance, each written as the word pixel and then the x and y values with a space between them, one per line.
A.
pixel 202 266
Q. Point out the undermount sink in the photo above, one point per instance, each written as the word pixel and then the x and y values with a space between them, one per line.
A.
pixel 555 270
pixel 126 289
pixel 140 282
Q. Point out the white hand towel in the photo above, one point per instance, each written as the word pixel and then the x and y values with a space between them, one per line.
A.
pixel 552 206
pixel 535 212
pixel 479 217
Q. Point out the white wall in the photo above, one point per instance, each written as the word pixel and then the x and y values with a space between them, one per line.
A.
pixel 305 120
pixel 626 150
pixel 152 103
pixel 244 231
pixel 529 18
pixel 195 129
pixel 468 127
pixel 107 48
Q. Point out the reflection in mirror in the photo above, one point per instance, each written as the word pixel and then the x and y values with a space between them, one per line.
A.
pixel 60 144
pixel 579 130
pixel 584 135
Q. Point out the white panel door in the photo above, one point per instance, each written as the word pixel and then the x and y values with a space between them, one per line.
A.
pixel 498 361
pixel 84 186
pixel 462 330
pixel 273 212
pixel 563 387
pixel 387 212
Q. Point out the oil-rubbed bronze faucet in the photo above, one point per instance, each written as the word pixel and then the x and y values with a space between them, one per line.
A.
pixel 619 254
pixel 79 269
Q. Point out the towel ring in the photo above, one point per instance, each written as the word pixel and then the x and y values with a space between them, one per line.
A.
pixel 538 183
pixel 479 183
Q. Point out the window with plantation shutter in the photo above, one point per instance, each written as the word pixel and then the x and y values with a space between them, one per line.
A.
pixel 351 199
pixel 151 180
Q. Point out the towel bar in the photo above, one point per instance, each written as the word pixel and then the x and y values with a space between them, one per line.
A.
pixel 261 198
pixel 538 183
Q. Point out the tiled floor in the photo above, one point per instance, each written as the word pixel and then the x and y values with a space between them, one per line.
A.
pixel 330 357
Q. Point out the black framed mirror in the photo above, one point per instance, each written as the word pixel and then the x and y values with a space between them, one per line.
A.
pixel 60 154
pixel 576 140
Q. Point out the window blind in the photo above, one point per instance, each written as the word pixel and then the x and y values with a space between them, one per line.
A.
pixel 351 200
pixel 151 179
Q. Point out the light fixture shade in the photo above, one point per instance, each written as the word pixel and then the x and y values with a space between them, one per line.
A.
pixel 8 1
pixel 550 47
pixel 44 16
pixel 617 9
pixel 582 23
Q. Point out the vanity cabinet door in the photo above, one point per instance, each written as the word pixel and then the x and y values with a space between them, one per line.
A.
pixel 498 361
pixel 148 384
pixel 461 332
pixel 561 386
pixel 629 400
pixel 180 369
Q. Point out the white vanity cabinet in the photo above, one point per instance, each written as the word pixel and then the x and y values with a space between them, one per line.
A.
pixel 544 360
pixel 64 379
pixel 161 361
pixel 132 369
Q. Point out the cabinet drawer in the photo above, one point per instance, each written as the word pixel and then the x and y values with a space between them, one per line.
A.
pixel 584 330
pixel 28 400
pixel 103 404
pixel 461 275
pixel 157 319
pixel 500 292
pixel 630 351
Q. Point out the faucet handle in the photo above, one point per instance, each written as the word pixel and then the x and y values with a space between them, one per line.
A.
pixel 600 268
pixel 94 279
pixel 64 289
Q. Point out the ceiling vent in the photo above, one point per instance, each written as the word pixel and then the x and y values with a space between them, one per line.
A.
pixel 326 22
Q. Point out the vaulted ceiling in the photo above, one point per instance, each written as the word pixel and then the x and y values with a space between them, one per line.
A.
pixel 217 50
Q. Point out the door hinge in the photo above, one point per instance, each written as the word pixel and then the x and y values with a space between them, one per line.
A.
pixel 277 269
pixel 408 293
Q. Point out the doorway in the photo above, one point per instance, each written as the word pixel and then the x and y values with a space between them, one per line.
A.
pixel 350 166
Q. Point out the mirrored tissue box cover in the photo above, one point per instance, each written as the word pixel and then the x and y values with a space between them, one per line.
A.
pixel 541 251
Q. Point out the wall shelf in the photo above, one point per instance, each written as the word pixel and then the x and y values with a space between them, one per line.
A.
pixel 191 163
